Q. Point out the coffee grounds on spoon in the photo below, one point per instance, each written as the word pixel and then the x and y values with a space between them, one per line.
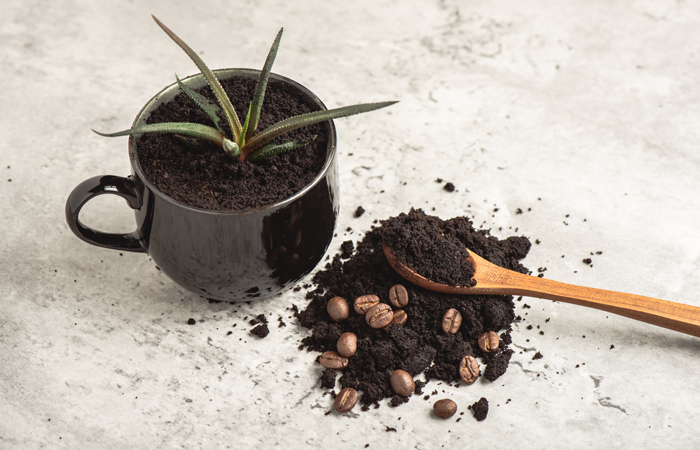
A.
pixel 420 345
pixel 418 241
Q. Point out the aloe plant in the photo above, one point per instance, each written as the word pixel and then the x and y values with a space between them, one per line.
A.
pixel 244 142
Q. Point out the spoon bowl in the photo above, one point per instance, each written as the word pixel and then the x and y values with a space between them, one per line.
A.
pixel 494 280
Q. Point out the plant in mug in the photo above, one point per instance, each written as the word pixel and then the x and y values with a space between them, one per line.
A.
pixel 243 142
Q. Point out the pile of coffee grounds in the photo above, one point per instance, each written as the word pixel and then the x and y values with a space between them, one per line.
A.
pixel 201 175
pixel 420 345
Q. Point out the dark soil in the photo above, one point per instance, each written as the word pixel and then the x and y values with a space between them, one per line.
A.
pixel 261 330
pixel 480 409
pixel 346 249
pixel 201 175
pixel 421 243
pixel 328 379
pixel 497 364
pixel 260 318
pixel 420 345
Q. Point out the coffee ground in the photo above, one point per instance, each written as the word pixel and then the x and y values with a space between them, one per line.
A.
pixel 420 345
pixel 200 174
pixel 328 379
pixel 260 331
pixel 480 409
pixel 419 242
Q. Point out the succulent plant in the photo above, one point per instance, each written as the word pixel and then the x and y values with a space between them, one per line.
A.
pixel 244 143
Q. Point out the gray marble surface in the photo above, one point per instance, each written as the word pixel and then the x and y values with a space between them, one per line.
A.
pixel 584 114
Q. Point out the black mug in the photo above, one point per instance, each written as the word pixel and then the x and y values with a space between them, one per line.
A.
pixel 229 256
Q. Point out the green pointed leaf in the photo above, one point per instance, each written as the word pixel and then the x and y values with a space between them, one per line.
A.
pixel 273 148
pixel 187 141
pixel 194 130
pixel 246 124
pixel 208 107
pixel 256 106
pixel 302 120
pixel 225 102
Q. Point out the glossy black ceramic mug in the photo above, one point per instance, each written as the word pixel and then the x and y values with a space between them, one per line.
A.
pixel 233 255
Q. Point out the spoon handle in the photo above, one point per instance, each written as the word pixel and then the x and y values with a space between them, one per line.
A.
pixel 671 315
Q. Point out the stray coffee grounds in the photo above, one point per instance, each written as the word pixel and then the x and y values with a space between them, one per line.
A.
pixel 262 329
pixel 418 345
pixel 480 409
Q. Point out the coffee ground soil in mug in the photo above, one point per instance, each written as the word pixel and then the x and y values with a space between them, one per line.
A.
pixel 420 345
pixel 200 174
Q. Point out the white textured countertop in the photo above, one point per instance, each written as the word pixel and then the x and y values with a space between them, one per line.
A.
pixel 584 114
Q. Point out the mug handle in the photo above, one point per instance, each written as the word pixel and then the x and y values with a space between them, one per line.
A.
pixel 92 187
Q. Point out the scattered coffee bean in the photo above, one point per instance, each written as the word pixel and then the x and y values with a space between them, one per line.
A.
pixel 489 341
pixel 365 302
pixel 332 360
pixel 400 317
pixel 345 400
pixel 451 321
pixel 347 344
pixel 444 408
pixel 402 382
pixel 398 296
pixel 379 316
pixel 469 369
pixel 338 309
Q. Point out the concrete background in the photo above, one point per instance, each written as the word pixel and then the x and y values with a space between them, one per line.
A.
pixel 584 114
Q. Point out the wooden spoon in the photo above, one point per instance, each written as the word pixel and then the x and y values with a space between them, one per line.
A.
pixel 494 280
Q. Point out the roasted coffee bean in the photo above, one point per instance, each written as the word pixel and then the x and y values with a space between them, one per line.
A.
pixel 444 408
pixel 469 369
pixel 400 317
pixel 489 341
pixel 365 302
pixel 451 321
pixel 379 316
pixel 398 296
pixel 332 360
pixel 402 382
pixel 345 400
pixel 338 309
pixel 347 344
